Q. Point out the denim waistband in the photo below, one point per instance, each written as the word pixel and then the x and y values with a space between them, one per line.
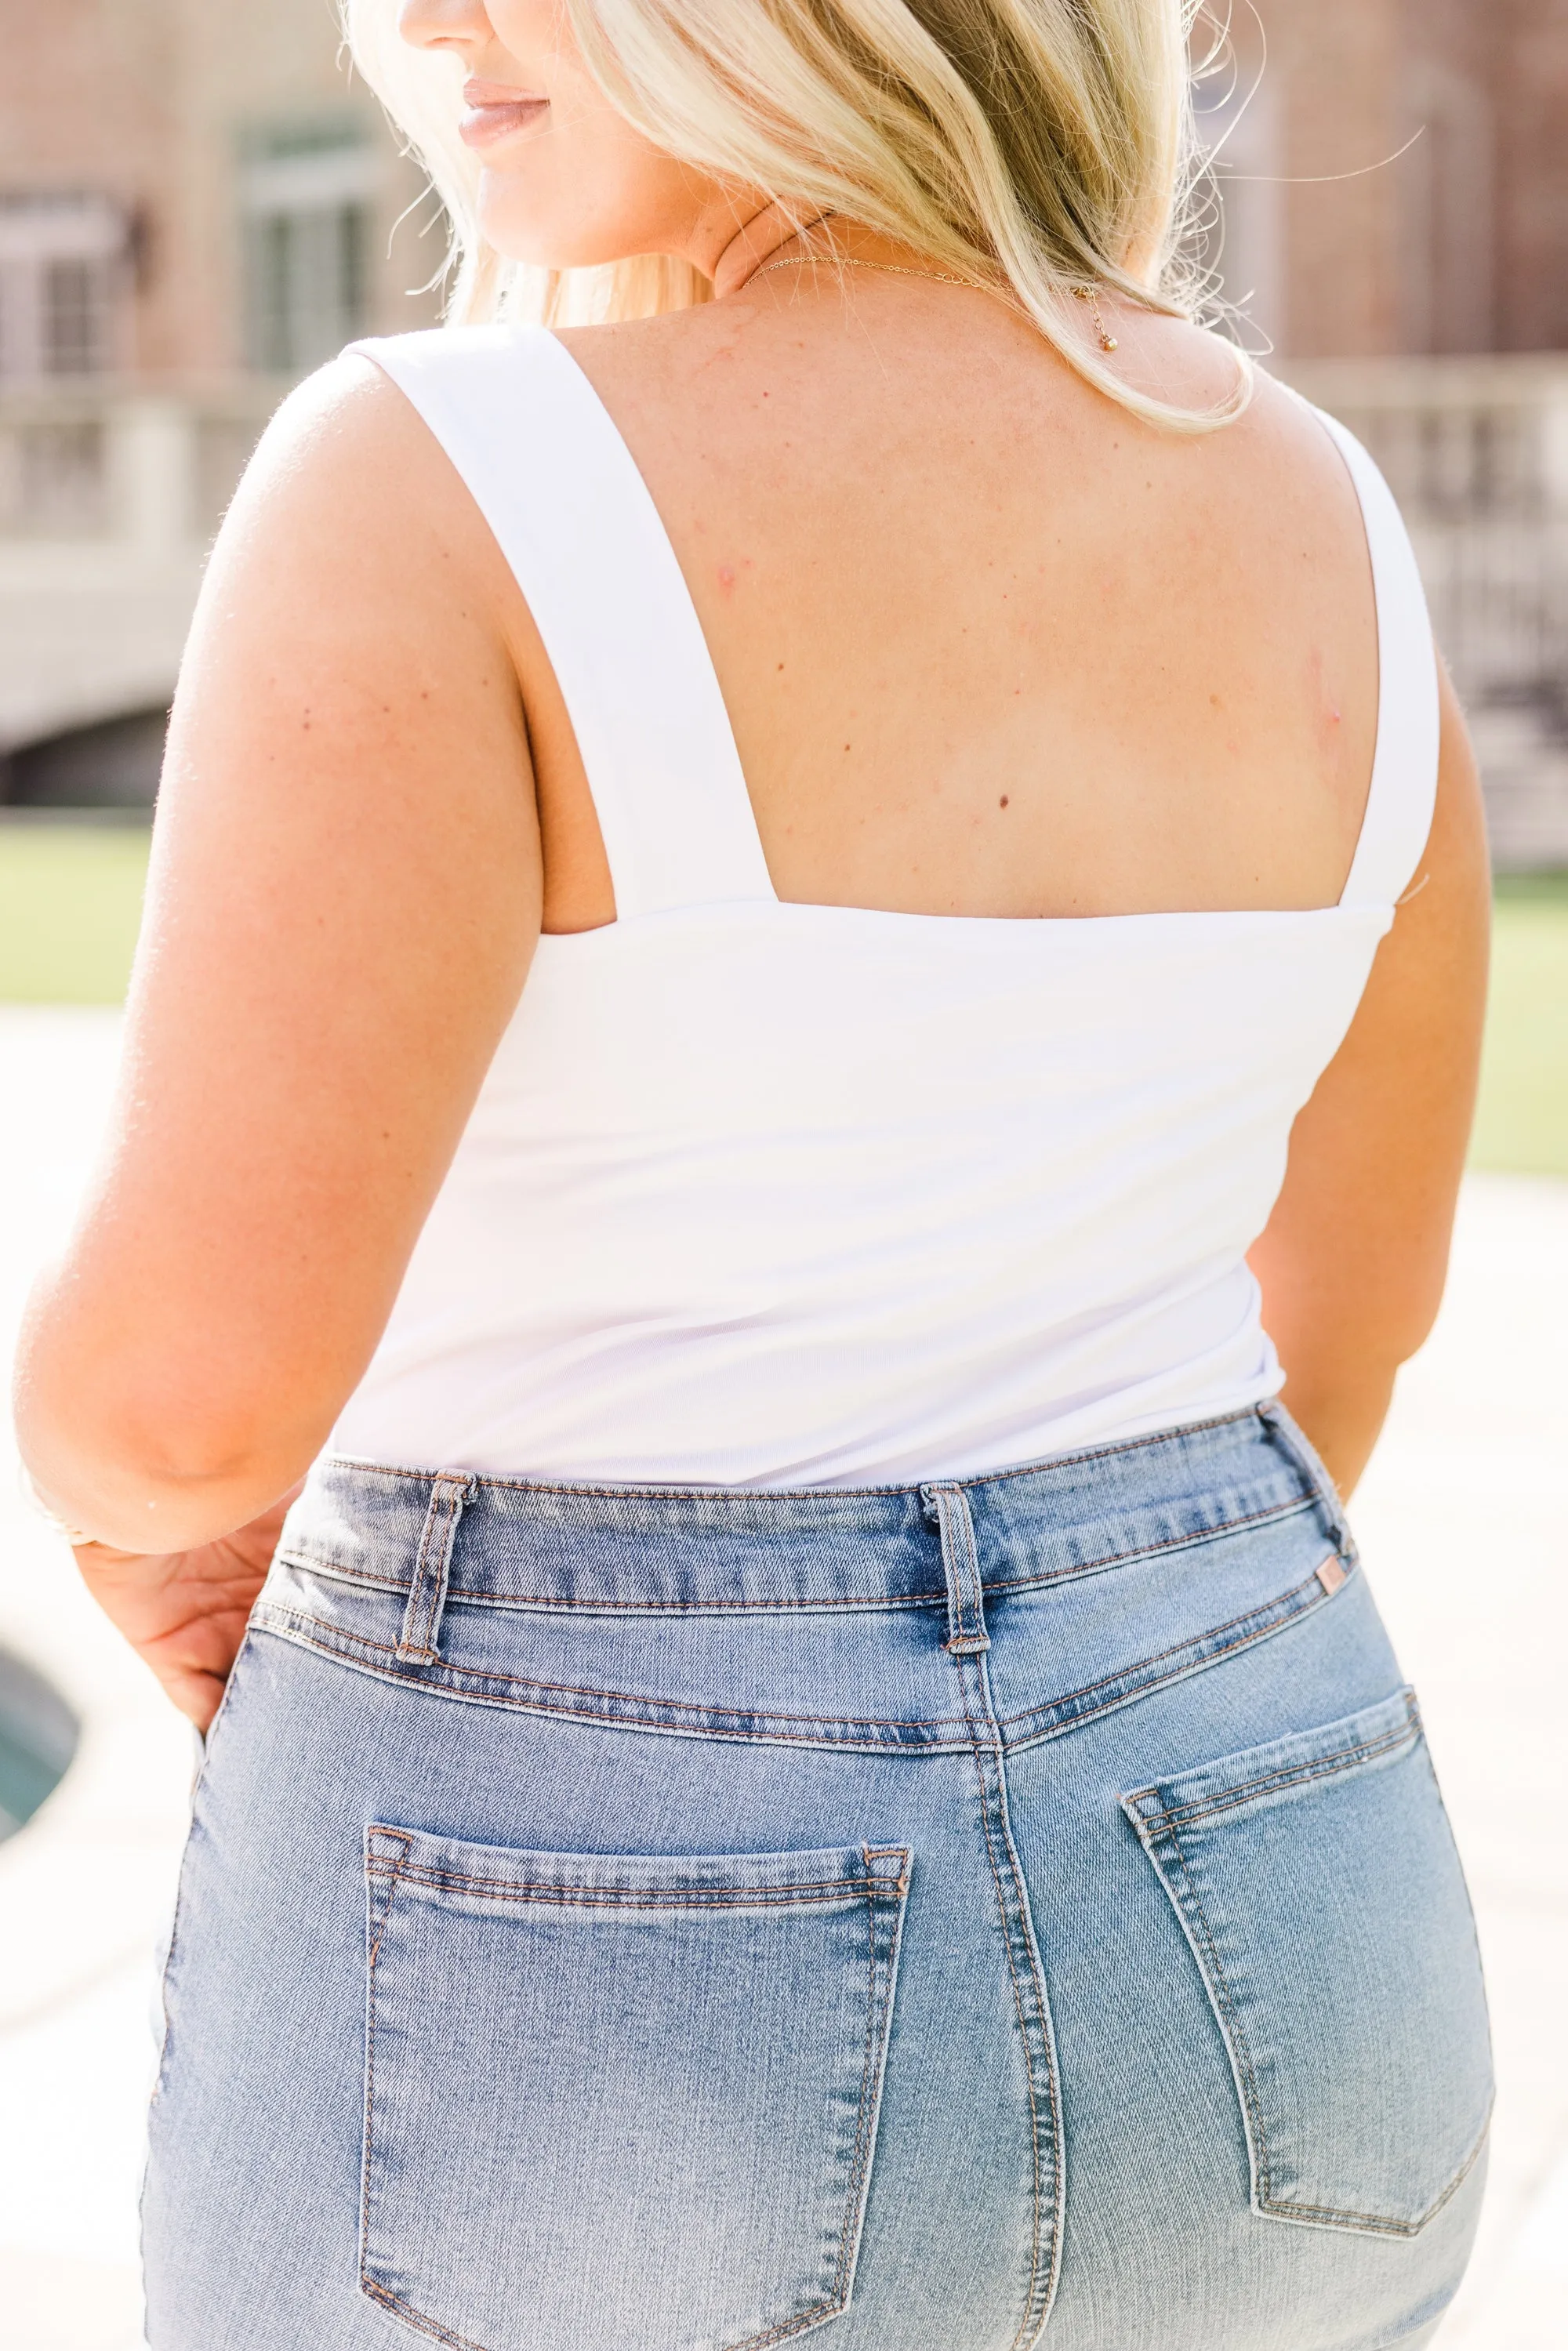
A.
pixel 528 1543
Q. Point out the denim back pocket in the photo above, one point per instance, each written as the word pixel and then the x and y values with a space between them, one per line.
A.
pixel 1318 1884
pixel 617 2101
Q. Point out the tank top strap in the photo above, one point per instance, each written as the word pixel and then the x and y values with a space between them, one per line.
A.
pixel 1403 790
pixel 571 514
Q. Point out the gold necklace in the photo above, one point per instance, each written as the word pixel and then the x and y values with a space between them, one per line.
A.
pixel 1089 294
pixel 854 261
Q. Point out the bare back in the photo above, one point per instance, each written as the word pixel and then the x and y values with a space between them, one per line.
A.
pixel 989 645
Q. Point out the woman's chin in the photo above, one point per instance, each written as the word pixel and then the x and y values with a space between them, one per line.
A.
pixel 512 228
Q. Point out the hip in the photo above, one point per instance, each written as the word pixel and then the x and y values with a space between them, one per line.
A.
pixel 948 1913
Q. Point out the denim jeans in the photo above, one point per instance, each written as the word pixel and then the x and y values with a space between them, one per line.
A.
pixel 953 1918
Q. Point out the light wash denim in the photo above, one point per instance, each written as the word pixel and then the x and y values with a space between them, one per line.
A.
pixel 951 1919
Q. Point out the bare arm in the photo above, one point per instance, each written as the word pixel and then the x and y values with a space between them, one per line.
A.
pixel 1352 1261
pixel 344 899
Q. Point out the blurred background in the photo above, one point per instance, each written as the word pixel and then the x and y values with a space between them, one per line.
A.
pixel 197 206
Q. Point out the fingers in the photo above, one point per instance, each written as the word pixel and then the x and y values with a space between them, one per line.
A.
pixel 196 1695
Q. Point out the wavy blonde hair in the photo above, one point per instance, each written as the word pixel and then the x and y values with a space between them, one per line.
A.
pixel 1048 143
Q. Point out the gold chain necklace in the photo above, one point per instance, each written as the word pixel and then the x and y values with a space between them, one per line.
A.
pixel 1089 294
pixel 854 261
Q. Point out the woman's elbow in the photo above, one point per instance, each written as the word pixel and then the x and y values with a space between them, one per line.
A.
pixel 149 1462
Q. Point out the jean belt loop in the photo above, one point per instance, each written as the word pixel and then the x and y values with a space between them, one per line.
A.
pixel 427 1593
pixel 967 1633
pixel 1297 1447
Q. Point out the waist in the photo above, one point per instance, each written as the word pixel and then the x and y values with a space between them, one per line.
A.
pixel 892 1378
pixel 522 1542
pixel 744 1615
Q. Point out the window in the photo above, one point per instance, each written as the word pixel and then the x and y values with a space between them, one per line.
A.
pixel 64 280
pixel 307 205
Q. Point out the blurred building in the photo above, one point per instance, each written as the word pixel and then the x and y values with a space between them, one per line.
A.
pixel 197 205
pixel 1395 174
pixel 1389 215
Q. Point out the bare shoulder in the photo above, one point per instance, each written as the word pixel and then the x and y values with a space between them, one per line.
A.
pixel 350 492
pixel 356 619
pixel 1278 448
pixel 1290 446
pixel 347 432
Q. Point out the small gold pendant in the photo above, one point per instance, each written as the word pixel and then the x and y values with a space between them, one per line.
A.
pixel 1088 294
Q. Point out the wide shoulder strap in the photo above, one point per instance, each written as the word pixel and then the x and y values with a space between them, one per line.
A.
pixel 1403 790
pixel 571 514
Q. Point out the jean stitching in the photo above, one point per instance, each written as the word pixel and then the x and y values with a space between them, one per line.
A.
pixel 967 1633
pixel 416 1637
pixel 437 1526
pixel 616 1698
pixel 1048 2294
pixel 298 1556
pixel 858 2164
pixel 1158 1656
pixel 1269 1617
pixel 593 1898
pixel 1316 1767
pixel 462 1595
pixel 1293 1509
pixel 417 2318
pixel 1297 1448
pixel 815 2311
pixel 978 1749
pixel 877 2014
pixel 1234 2035
pixel 457 1595
pixel 370 2077
pixel 809 1493
pixel 1364 2223
pixel 868 1888
pixel 830 1734
pixel 427 1592
pixel 1373 2225
pixel 1135 1682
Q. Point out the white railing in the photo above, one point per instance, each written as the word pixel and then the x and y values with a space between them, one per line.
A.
pixel 110 496
pixel 87 463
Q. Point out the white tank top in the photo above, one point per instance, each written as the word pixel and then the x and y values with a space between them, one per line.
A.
pixel 768 1194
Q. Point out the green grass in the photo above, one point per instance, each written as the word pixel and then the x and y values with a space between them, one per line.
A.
pixel 70 897
pixel 1521 1120
pixel 70 900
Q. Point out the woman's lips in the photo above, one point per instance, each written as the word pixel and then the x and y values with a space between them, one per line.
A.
pixel 495 112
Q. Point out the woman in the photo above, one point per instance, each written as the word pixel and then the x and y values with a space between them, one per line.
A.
pixel 769 911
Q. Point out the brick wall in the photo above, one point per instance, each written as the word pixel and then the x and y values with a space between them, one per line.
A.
pixel 1335 62
pixel 152 102
pixel 1460 242
pixel 1530 42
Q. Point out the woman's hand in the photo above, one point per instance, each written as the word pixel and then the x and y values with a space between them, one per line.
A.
pixel 184 1612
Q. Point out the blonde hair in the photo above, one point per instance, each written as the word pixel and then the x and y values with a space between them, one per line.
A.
pixel 1046 142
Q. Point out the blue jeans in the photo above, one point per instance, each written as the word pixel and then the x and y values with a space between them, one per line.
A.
pixel 953 1917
